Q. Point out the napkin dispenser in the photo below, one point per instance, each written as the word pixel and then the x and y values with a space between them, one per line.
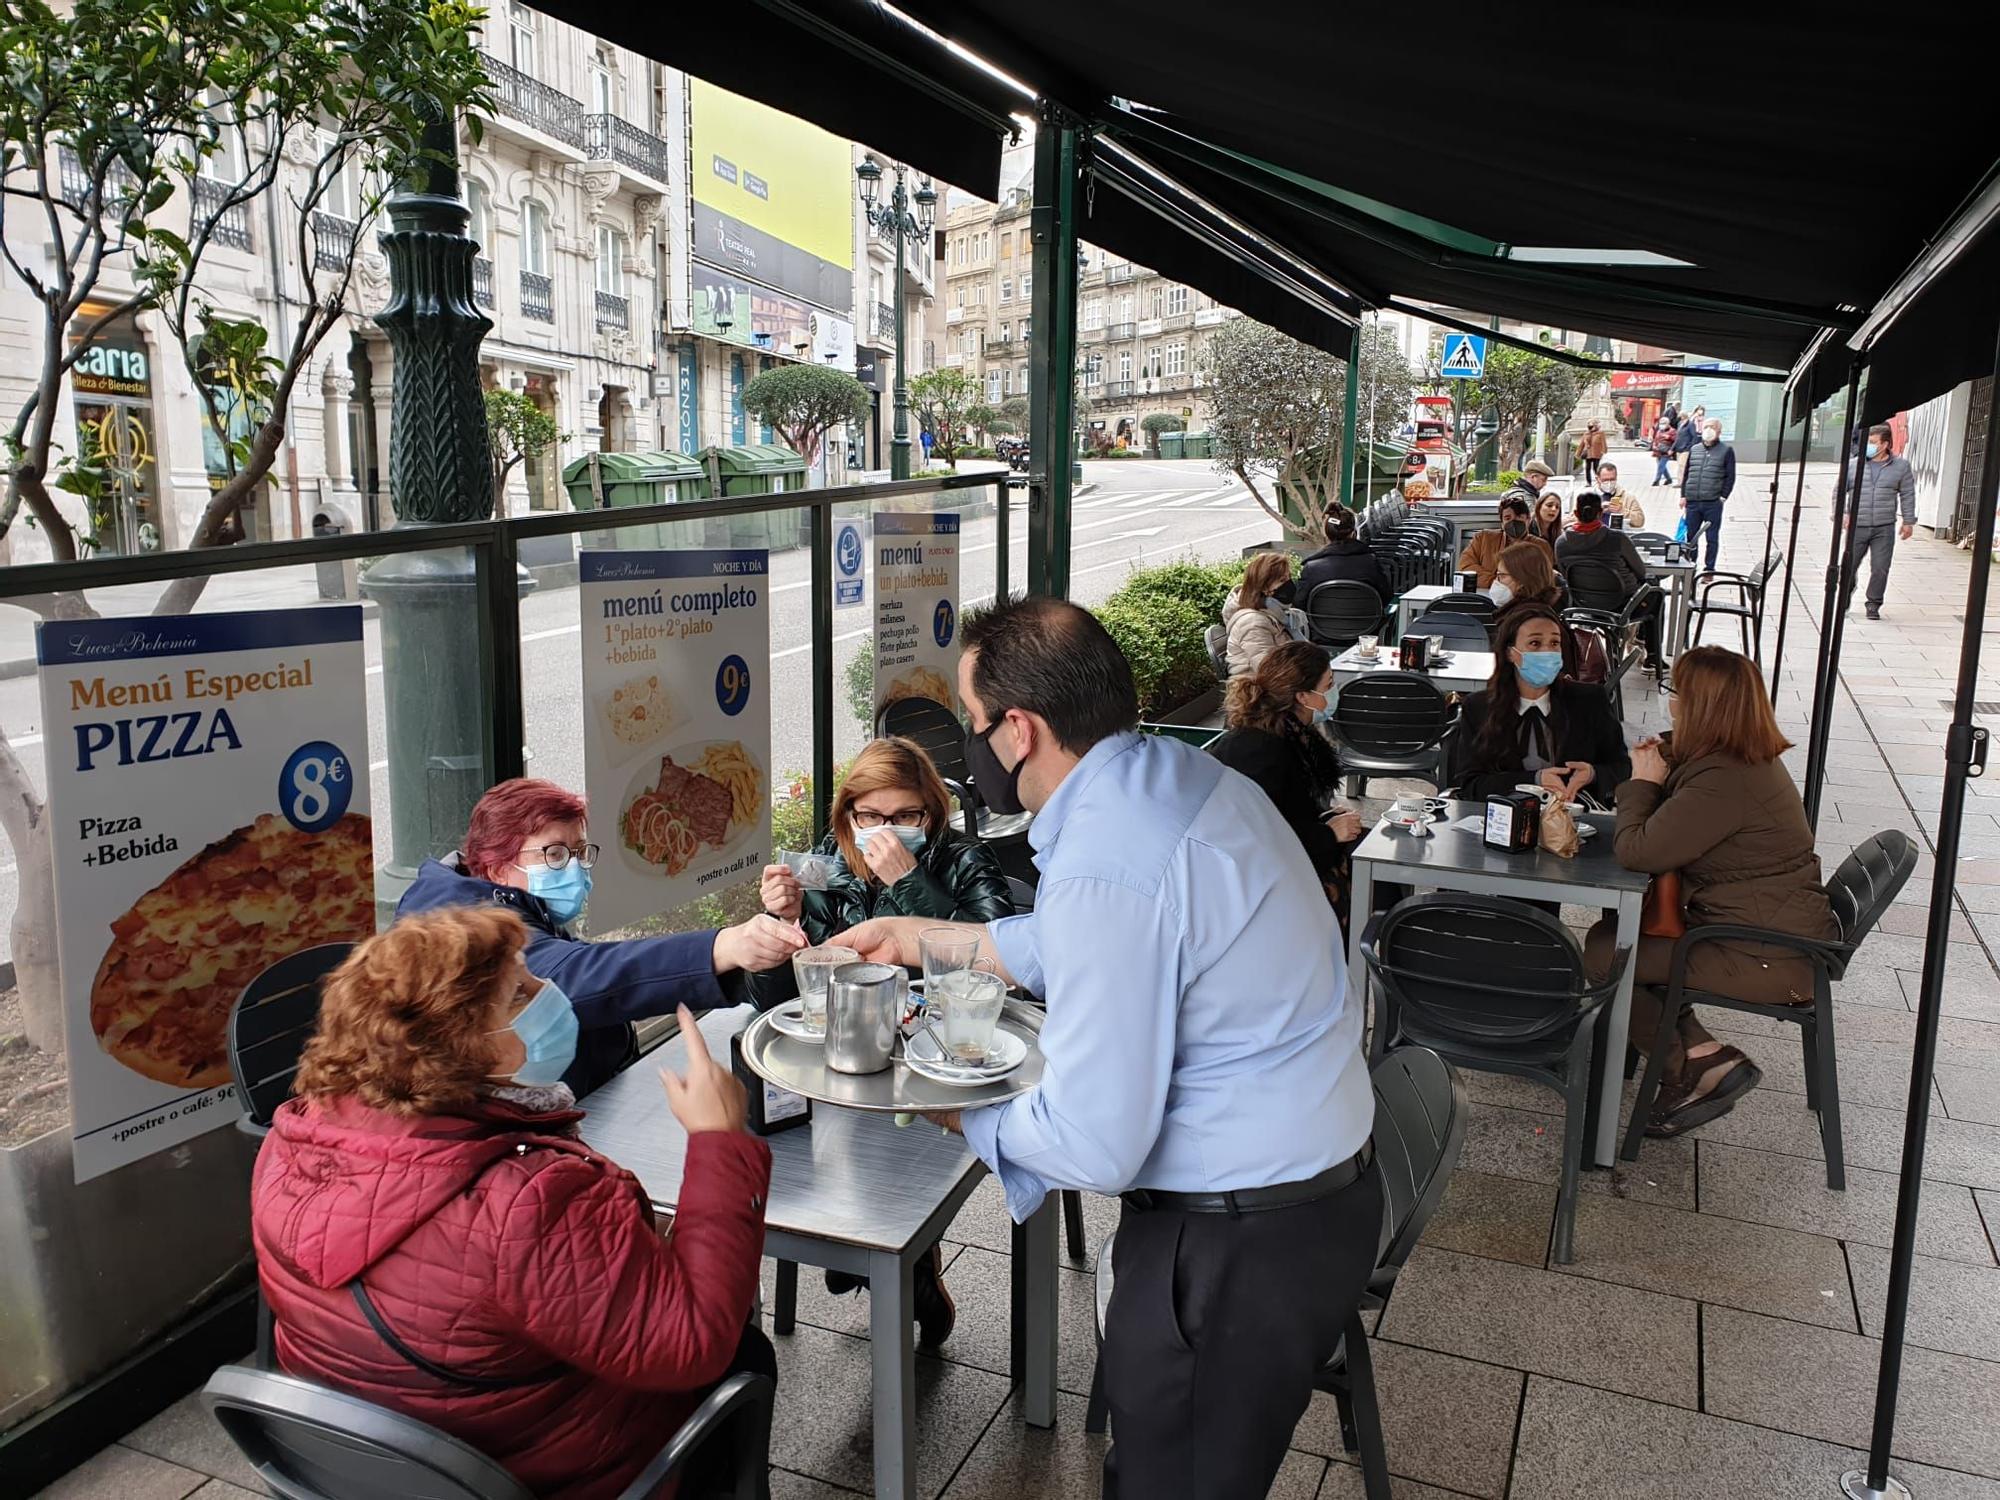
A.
pixel 1468 581
pixel 1513 821
pixel 1419 653
pixel 768 1108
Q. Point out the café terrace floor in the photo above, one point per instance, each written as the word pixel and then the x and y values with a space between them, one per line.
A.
pixel 1715 1334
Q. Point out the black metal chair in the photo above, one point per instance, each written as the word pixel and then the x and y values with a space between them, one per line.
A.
pixel 1339 613
pixel 269 1027
pixel 941 734
pixel 1393 724
pixel 1498 986
pixel 1421 1113
pixel 1746 606
pixel 1860 892
pixel 1215 640
pixel 1460 631
pixel 1475 606
pixel 1618 624
pixel 309 1442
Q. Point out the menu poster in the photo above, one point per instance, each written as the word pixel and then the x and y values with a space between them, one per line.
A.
pixel 677 725
pixel 916 608
pixel 208 799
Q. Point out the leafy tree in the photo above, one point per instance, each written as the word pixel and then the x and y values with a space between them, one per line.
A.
pixel 802 403
pixel 980 420
pixel 944 400
pixel 1520 387
pixel 1156 422
pixel 518 430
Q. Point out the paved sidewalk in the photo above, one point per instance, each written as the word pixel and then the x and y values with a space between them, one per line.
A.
pixel 1716 1332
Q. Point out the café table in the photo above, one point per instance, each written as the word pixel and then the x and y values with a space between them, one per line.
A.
pixel 1415 600
pixel 1677 578
pixel 1466 672
pixel 1455 859
pixel 850 1192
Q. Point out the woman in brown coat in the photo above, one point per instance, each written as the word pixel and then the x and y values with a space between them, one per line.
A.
pixel 1717 804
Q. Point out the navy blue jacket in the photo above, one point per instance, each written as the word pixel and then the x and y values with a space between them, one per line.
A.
pixel 610 985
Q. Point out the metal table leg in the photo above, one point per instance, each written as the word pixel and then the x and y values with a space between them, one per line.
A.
pixel 1683 599
pixel 1617 1025
pixel 1360 902
pixel 893 1353
pixel 1040 1247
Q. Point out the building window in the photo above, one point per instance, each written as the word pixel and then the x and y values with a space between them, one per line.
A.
pixel 1093 372
pixel 1021 380
pixel 992 385
pixel 969 342
pixel 979 295
pixel 1159 301
pixel 1177 301
pixel 1093 313
pixel 534 238
pixel 1007 246
pixel 600 82
pixel 226 162
pixel 1027 329
pixel 521 34
pixel 610 260
pixel 1007 381
pixel 479 222
pixel 1125 308
pixel 1176 359
pixel 1027 287
pixel 1125 364
pixel 1005 332
pixel 1149 361
pixel 1006 289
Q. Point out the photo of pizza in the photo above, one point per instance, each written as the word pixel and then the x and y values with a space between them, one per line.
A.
pixel 185 951
pixel 639 711
pixel 669 817
pixel 918 682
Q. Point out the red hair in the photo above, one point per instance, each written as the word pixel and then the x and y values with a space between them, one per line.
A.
pixel 509 813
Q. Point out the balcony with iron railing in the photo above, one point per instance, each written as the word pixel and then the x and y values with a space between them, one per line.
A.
pixel 231 220
pixel 333 239
pixel 542 108
pixel 1120 273
pixel 610 138
pixel 482 281
pixel 538 297
pixel 614 313
pixel 1122 331
pixel 885 320
pixel 75 183
pixel 1118 389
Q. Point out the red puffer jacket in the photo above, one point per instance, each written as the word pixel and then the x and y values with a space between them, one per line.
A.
pixel 497 1245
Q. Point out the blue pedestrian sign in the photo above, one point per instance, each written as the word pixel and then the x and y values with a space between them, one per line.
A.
pixel 1464 357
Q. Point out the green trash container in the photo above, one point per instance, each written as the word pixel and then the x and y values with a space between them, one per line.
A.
pixel 1195 445
pixel 1173 444
pixel 758 469
pixel 601 481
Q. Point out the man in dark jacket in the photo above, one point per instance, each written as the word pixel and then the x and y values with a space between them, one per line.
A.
pixel 1886 509
pixel 1344 558
pixel 511 849
pixel 1591 541
pixel 1711 475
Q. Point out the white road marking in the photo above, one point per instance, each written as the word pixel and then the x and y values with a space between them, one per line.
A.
pixel 1200 495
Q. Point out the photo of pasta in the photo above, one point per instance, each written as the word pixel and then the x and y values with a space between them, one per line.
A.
pixel 639 711
pixel 700 796
pixel 918 682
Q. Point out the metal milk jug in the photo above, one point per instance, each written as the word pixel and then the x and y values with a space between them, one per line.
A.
pixel 864 1011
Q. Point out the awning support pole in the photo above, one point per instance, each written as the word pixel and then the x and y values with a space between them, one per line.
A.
pixel 1771 516
pixel 1052 354
pixel 1349 422
pixel 1791 550
pixel 1832 618
pixel 1964 758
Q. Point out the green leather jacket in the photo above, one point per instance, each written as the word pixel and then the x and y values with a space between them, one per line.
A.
pixel 955 880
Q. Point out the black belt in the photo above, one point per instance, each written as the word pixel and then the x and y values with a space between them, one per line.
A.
pixel 1254 1200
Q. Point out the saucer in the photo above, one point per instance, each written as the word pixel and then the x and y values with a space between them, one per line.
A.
pixel 1007 1052
pixel 789 1020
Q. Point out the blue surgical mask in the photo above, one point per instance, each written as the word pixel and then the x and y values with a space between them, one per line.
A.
pixel 1540 668
pixel 1324 713
pixel 1873 449
pixel 563 891
pixel 912 839
pixel 547 1029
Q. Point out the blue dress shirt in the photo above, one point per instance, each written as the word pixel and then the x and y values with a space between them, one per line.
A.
pixel 1199 1037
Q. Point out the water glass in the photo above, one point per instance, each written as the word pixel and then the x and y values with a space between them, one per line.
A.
pixel 965 1008
pixel 1367 645
pixel 945 950
pixel 813 968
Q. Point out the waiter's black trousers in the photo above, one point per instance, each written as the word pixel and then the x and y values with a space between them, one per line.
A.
pixel 1216 1329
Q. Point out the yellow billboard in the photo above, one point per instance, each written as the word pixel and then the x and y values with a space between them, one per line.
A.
pixel 772 187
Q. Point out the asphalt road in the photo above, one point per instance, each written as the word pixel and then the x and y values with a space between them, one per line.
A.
pixel 1137 514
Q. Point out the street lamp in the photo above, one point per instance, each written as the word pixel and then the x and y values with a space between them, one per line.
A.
pixel 905 214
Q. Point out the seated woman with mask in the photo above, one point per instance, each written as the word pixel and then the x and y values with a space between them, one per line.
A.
pixel 1526 574
pixel 528 849
pixel 1253 613
pixel 432 1236
pixel 1528 727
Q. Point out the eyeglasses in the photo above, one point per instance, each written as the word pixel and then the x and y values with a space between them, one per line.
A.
pixel 558 856
pixel 909 817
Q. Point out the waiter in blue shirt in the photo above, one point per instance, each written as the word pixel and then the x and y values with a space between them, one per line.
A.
pixel 1202 1058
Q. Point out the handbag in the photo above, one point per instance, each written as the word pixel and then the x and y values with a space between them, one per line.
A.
pixel 1661 913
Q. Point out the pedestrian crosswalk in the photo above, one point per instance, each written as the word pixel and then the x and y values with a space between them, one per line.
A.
pixel 1231 496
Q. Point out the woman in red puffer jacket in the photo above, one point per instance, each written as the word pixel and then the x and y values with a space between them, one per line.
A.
pixel 431 1235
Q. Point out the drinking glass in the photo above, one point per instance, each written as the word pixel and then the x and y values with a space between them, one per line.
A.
pixel 965 1009
pixel 945 950
pixel 813 968
pixel 1367 645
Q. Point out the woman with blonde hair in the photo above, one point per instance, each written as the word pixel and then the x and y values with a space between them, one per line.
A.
pixel 894 853
pixel 1255 627
pixel 432 1236
pixel 1714 802
pixel 1526 574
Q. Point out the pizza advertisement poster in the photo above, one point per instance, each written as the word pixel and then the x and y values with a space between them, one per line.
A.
pixel 677 726
pixel 916 607
pixel 208 797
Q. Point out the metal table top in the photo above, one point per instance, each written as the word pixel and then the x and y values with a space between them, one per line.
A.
pixel 1467 672
pixel 1456 851
pixel 847 1176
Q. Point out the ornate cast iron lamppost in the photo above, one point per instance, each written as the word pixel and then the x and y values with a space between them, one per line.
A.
pixel 897 218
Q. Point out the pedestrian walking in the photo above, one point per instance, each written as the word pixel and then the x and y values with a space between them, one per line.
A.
pixel 1687 437
pixel 1711 475
pixel 1202 1054
pixel 1885 509
pixel 1595 446
pixel 1662 448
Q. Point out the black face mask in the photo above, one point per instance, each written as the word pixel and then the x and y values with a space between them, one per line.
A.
pixel 1516 529
pixel 999 788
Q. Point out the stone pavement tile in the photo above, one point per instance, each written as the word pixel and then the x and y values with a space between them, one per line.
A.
pixel 1524 1318
pixel 983 1222
pixel 1769 1120
pixel 1908 919
pixel 1577 1442
pixel 222 1489
pixel 1519 1143
pixel 1906 953
pixel 1812 1381
pixel 1300 1477
pixel 1876 1073
pixel 1871 817
pixel 187 1435
pixel 980 1283
pixel 785 1485
pixel 1861 1023
pixel 1502 1217
pixel 1971 992
pixel 1969 1094
pixel 1013 1460
pixel 1445 1421
pixel 126 1474
pixel 1343 1482
pixel 1953 1307
pixel 823 1425
pixel 1871 984
pixel 1790 1192
pixel 1709 1259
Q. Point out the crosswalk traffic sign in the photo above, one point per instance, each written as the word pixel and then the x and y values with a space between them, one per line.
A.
pixel 1464 356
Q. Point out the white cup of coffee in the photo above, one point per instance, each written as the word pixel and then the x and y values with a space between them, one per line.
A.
pixel 1368 647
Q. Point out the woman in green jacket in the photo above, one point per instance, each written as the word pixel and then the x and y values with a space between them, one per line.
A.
pixel 894 854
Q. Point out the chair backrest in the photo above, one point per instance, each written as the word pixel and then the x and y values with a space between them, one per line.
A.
pixel 1341 612
pixel 271 1023
pixel 1023 894
pixel 1391 715
pixel 934 727
pixel 1457 628
pixel 1866 882
pixel 308 1442
pixel 1595 584
pixel 1650 541
pixel 1468 971
pixel 1421 1113
pixel 1771 565
pixel 1478 606
pixel 1216 640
